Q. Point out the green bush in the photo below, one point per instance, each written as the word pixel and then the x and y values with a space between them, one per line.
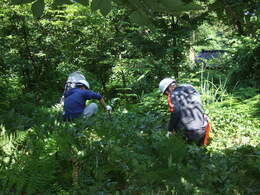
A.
pixel 245 64
pixel 131 154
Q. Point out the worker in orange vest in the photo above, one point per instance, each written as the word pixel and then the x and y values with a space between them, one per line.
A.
pixel 187 115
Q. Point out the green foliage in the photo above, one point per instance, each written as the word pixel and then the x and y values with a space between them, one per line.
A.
pixel 103 5
pixel 131 154
pixel 19 2
pixel 38 8
pixel 141 9
pixel 245 63
pixel 83 2
pixel 211 91
pixel 240 15
pixel 178 6
pixel 140 18
pixel 127 153
pixel 245 93
pixel 61 2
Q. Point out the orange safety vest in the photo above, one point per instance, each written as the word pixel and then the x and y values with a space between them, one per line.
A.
pixel 207 130
pixel 170 104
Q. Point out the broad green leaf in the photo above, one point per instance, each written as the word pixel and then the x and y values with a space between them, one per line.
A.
pixel 154 5
pixel 134 4
pixel 103 5
pixel 96 4
pixel 173 4
pixel 139 17
pixel 62 2
pixel 38 8
pixel 257 13
pixel 106 8
pixel 178 6
pixel 83 2
pixel 19 2
pixel 175 7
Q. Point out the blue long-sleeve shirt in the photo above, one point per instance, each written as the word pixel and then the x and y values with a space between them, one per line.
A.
pixel 75 101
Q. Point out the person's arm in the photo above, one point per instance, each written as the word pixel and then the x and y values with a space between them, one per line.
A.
pixel 172 125
pixel 174 120
pixel 94 95
pixel 175 117
pixel 102 102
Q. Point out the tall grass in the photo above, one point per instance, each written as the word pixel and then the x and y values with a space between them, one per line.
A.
pixel 212 91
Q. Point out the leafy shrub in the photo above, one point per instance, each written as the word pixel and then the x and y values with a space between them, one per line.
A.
pixel 131 154
pixel 245 64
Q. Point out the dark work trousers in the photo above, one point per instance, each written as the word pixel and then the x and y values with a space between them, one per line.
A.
pixel 196 136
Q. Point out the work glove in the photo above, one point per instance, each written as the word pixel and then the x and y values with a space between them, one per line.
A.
pixel 108 108
pixel 168 134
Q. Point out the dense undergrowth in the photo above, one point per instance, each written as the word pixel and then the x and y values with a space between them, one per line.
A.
pixel 129 153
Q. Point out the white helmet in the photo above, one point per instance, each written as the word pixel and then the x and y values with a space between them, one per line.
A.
pixel 165 83
pixel 84 82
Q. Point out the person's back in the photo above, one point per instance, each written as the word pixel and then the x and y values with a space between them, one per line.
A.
pixel 187 108
pixel 187 115
pixel 75 102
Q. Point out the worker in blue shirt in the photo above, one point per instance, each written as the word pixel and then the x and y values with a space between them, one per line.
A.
pixel 75 102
